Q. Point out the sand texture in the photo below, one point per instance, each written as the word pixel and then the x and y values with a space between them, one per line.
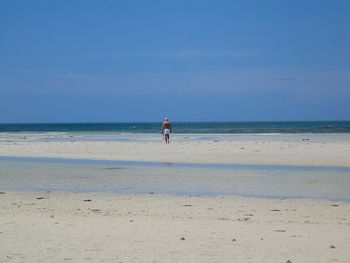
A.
pixel 101 227
pixel 62 227
pixel 289 150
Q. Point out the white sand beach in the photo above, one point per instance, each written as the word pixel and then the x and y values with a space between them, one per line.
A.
pixel 60 227
pixel 101 227
pixel 308 150
pixel 254 96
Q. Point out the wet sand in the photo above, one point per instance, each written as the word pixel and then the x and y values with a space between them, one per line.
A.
pixel 260 181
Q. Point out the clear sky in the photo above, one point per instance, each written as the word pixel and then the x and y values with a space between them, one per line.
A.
pixel 67 61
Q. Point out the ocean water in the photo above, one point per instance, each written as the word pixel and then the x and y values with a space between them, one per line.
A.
pixel 185 127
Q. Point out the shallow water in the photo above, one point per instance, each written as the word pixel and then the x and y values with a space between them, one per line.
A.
pixel 262 181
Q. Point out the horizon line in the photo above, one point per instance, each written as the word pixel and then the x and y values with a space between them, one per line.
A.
pixel 131 122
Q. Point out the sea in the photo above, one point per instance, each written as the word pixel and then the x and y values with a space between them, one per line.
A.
pixel 187 127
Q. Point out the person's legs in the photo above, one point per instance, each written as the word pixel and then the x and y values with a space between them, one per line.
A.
pixel 166 135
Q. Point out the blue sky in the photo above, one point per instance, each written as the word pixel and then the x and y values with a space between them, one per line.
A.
pixel 67 61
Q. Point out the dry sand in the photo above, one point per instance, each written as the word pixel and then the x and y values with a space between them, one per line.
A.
pixel 60 227
pixel 289 151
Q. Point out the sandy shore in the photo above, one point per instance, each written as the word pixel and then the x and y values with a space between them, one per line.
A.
pixel 285 150
pixel 75 227
pixel 59 227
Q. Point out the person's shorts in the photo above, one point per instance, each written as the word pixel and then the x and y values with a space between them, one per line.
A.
pixel 166 131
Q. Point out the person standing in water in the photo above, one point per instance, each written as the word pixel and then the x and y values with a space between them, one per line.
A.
pixel 166 130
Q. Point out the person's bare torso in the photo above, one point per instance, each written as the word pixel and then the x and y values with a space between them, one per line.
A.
pixel 166 125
